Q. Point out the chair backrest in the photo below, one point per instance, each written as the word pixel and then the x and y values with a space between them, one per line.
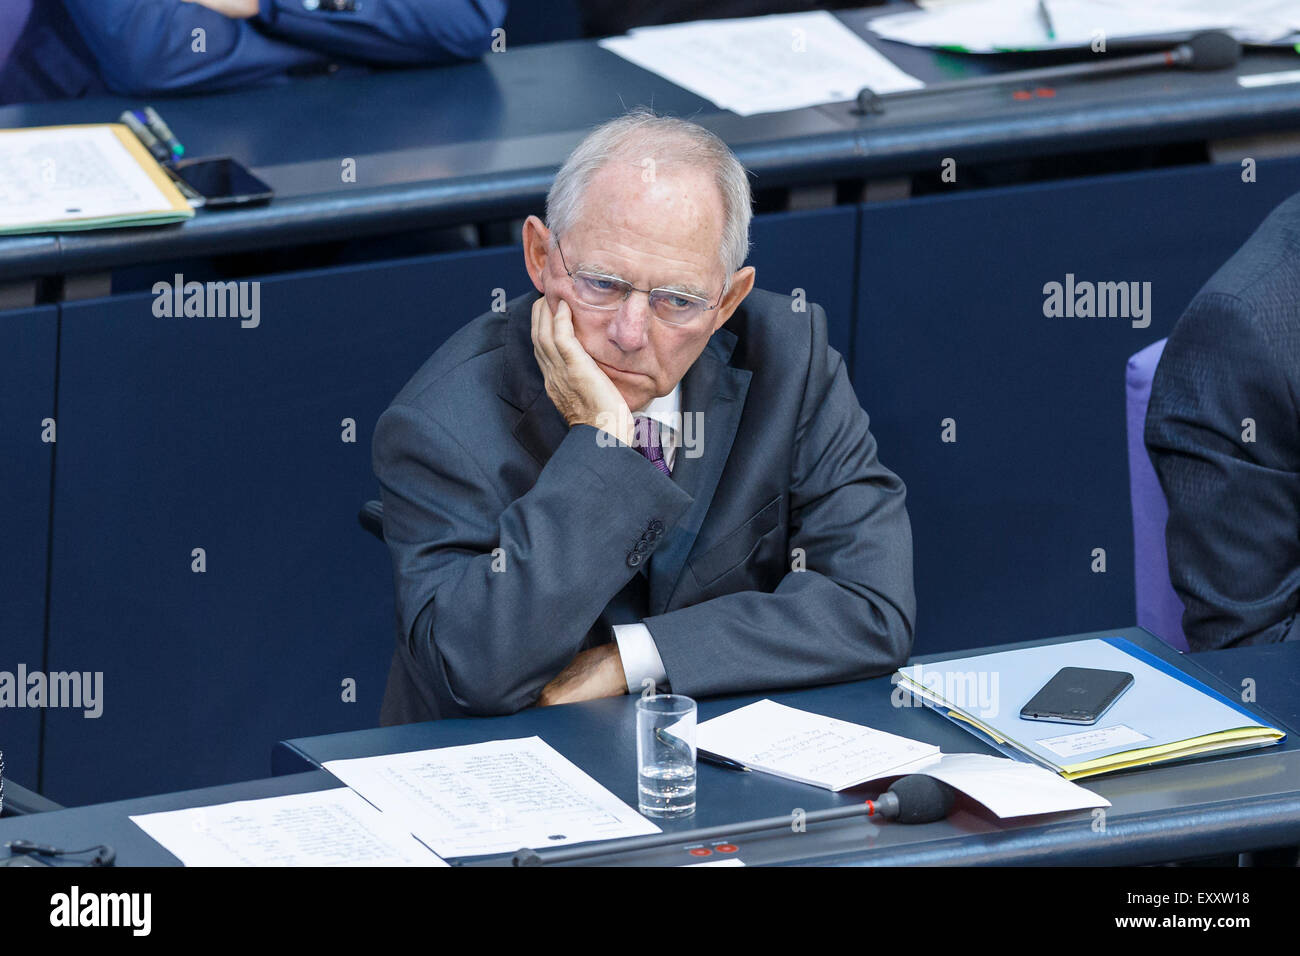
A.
pixel 1159 609
pixel 371 517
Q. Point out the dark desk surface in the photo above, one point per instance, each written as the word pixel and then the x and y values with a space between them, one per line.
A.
pixel 482 140
pixel 1218 805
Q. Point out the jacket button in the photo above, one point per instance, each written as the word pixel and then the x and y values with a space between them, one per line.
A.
pixel 634 559
pixel 641 546
pixel 656 526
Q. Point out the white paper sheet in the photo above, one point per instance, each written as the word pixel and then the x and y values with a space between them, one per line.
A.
pixel 763 64
pixel 48 175
pixel 322 828
pixel 808 748
pixel 1011 788
pixel 493 797
pixel 1070 746
pixel 994 26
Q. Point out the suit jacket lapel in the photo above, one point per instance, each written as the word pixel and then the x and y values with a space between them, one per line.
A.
pixel 715 391
pixel 541 428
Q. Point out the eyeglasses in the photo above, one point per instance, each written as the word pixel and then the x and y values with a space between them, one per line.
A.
pixel 608 292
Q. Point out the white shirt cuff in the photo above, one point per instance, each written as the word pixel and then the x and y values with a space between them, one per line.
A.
pixel 640 657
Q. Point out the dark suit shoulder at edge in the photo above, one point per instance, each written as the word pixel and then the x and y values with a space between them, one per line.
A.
pixel 480 341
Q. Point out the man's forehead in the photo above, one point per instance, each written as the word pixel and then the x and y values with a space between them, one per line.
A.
pixel 666 232
pixel 686 191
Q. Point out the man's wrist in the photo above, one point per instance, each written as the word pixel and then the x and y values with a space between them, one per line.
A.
pixel 620 424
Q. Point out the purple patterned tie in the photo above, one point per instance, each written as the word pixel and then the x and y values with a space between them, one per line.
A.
pixel 645 438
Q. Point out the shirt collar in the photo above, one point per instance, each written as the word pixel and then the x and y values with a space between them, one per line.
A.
pixel 666 410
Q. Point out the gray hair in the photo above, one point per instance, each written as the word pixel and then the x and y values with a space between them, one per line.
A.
pixel 639 135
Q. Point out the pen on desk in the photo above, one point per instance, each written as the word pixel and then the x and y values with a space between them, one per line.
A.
pixel 668 740
pixel 150 141
pixel 162 131
pixel 718 761
pixel 1047 19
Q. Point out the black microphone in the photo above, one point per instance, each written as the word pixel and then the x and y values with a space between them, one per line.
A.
pixel 914 799
pixel 911 799
pixel 1213 50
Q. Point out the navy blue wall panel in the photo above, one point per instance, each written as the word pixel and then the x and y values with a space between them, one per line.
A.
pixel 184 433
pixel 951 325
pixel 812 251
pixel 28 339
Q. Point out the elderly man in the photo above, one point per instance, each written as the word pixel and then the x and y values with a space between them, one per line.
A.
pixel 648 471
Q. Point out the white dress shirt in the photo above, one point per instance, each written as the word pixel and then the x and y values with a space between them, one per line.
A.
pixel 636 647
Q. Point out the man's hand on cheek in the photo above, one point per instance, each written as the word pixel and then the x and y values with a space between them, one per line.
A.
pixel 581 391
pixel 594 673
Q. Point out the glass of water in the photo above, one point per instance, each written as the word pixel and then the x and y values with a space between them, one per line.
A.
pixel 665 755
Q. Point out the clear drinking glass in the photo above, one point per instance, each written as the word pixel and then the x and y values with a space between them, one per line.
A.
pixel 665 755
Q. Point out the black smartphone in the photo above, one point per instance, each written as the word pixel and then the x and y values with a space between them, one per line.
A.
pixel 1077 695
pixel 222 181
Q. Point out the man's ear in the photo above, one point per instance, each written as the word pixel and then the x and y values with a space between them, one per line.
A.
pixel 741 285
pixel 537 251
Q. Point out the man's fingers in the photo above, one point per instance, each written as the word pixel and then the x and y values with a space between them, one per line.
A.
pixel 544 330
pixel 565 339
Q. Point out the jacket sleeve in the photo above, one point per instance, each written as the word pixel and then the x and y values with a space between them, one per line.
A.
pixel 495 597
pixel 851 613
pixel 144 47
pixel 409 32
pixel 1233 534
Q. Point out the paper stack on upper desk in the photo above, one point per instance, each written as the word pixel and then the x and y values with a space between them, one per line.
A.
pixel 62 178
pixel 763 64
pixel 837 754
pixel 1001 26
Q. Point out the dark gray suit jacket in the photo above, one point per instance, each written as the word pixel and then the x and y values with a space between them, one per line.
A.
pixel 518 541
pixel 1233 534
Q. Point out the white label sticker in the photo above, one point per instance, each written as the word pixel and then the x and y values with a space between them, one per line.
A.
pixel 1269 79
pixel 1087 741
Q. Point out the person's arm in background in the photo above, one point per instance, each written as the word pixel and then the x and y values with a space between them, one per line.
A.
pixel 409 32
pixel 146 47
pixel 850 614
pixel 1234 506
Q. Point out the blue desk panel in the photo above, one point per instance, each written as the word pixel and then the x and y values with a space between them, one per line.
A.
pixel 951 325
pixel 28 344
pixel 813 251
pixel 1266 676
pixel 183 433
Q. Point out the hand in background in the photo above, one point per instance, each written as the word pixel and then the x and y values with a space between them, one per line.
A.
pixel 234 9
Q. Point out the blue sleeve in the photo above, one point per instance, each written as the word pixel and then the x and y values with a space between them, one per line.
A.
pixel 151 46
pixel 389 31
